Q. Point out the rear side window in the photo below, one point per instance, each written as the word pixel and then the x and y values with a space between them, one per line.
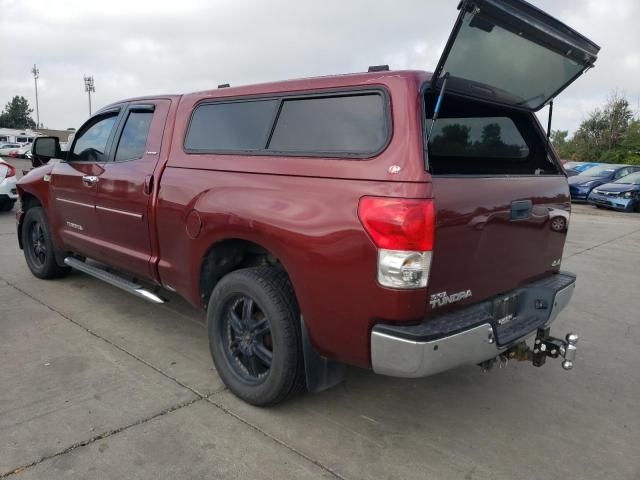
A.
pixel 353 125
pixel 335 125
pixel 236 126
pixel 496 137
pixel 134 136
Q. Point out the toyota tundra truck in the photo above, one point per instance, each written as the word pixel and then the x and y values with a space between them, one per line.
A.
pixel 403 221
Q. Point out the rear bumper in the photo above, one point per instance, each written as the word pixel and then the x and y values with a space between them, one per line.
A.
pixel 470 335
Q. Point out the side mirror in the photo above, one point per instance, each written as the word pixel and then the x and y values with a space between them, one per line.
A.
pixel 44 149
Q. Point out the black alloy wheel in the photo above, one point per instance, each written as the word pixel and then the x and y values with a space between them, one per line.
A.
pixel 253 322
pixel 246 335
pixel 38 245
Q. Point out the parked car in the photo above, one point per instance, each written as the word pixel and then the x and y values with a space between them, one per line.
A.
pixel 6 149
pixel 8 193
pixel 581 185
pixel 623 194
pixel 23 150
pixel 316 225
pixel 574 168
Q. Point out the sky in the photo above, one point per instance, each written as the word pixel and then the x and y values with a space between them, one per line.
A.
pixel 143 47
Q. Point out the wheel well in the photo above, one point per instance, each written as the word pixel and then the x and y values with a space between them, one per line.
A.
pixel 27 201
pixel 228 255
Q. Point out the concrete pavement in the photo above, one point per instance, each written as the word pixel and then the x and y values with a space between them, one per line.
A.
pixel 96 383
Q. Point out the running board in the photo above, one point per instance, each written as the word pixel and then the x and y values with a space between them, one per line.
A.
pixel 112 279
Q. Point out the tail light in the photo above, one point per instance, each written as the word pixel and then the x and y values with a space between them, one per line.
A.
pixel 403 231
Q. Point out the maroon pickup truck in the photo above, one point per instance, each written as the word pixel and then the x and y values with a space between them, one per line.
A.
pixel 402 221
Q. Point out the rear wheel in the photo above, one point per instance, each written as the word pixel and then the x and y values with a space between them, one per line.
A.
pixel 38 246
pixel 254 335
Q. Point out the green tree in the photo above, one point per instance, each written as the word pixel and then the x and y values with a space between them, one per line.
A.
pixel 564 145
pixel 17 114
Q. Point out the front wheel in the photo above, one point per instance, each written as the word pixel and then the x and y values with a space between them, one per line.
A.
pixel 254 335
pixel 7 205
pixel 38 246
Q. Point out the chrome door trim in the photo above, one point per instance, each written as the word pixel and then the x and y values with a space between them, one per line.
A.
pixel 121 212
pixel 73 202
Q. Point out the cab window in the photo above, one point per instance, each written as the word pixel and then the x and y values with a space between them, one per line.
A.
pixel 91 143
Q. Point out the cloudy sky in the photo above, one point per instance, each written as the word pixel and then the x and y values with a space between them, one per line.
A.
pixel 138 47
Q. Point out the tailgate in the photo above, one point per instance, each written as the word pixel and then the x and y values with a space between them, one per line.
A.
pixel 494 234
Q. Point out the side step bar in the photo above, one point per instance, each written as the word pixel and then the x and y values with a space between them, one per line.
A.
pixel 112 279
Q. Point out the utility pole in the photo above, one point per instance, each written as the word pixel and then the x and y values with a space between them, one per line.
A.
pixel 89 87
pixel 36 75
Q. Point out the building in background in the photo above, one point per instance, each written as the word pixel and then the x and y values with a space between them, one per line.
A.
pixel 12 135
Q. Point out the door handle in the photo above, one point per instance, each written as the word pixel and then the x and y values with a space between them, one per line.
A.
pixel 148 184
pixel 521 209
pixel 90 180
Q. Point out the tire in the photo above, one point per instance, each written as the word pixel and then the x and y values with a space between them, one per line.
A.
pixel 251 313
pixel 38 246
pixel 7 205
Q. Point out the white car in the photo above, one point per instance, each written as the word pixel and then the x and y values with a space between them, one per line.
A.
pixel 8 194
pixel 7 148
pixel 23 150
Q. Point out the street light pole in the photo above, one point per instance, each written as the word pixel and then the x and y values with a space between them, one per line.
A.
pixel 36 75
pixel 89 86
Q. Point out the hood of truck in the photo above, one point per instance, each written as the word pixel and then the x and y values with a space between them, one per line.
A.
pixel 511 53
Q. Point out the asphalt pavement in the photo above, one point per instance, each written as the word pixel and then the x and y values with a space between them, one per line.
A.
pixel 95 383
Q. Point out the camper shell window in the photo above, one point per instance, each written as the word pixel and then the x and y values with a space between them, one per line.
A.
pixel 478 138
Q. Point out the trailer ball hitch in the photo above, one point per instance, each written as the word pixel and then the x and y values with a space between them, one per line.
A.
pixel 544 346
pixel 547 346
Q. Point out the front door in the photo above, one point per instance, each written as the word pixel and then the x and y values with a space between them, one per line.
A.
pixel 74 186
pixel 126 185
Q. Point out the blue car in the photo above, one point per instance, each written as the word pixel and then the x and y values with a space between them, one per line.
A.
pixel 623 194
pixel 574 168
pixel 580 185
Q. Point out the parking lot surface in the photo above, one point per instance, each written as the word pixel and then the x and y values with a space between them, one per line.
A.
pixel 95 383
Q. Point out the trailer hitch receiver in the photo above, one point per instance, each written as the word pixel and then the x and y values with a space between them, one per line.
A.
pixel 547 346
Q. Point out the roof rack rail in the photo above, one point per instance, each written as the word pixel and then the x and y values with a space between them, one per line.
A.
pixel 378 68
pixel 224 85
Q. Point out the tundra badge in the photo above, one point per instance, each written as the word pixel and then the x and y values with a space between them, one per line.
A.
pixel 441 299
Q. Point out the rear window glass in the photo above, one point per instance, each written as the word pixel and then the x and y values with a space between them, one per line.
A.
pixel 486 137
pixel 346 124
pixel 134 136
pixel 236 126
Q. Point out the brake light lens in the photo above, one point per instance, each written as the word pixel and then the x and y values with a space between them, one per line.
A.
pixel 403 231
pixel 398 223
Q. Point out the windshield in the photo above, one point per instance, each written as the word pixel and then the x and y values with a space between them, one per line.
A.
pixel 527 76
pixel 599 171
pixel 631 179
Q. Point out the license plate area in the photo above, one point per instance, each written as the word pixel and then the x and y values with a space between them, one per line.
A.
pixel 505 309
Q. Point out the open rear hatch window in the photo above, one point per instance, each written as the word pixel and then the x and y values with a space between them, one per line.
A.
pixel 510 52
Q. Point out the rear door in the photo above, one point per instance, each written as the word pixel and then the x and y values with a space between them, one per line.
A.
pixel 74 185
pixel 511 53
pixel 126 185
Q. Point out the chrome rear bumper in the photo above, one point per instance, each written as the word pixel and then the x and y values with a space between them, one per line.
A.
pixel 411 351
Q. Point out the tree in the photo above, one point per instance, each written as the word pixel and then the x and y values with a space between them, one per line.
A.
pixel 17 114
pixel 565 147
